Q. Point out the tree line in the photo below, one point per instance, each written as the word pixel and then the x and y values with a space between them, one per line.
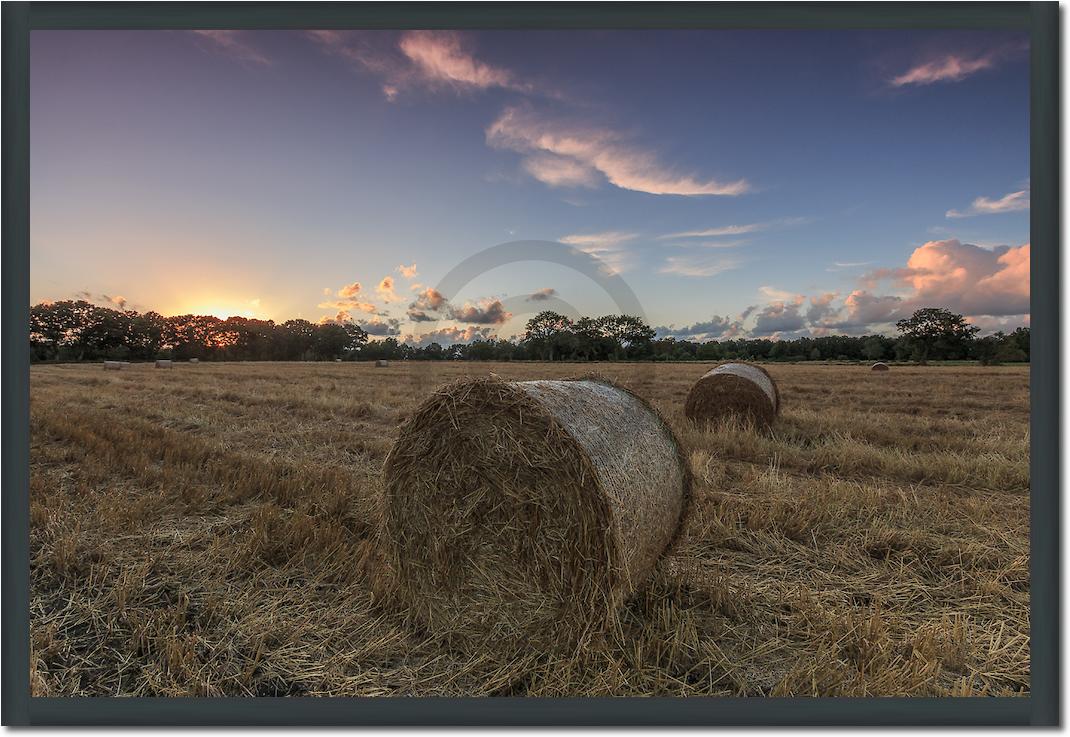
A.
pixel 81 331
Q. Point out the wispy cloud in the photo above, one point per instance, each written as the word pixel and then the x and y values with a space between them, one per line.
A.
pixel 433 60
pixel 349 304
pixel 1012 202
pixel 409 272
pixel 440 57
pixel 234 44
pixel 946 68
pixel 608 247
pixel 726 230
pixel 593 152
pixel 843 265
pixel 699 266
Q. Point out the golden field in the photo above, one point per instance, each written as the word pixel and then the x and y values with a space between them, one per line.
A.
pixel 210 531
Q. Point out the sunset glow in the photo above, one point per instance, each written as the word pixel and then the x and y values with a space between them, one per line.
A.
pixel 741 183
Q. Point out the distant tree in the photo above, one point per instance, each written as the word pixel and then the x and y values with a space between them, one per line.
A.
pixel 936 333
pixel 543 330
pixel 815 354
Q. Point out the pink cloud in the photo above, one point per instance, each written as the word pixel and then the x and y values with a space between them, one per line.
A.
pixel 440 57
pixel 232 43
pixel 348 304
pixel 593 149
pixel 1012 202
pixel 349 290
pixel 385 290
pixel 409 272
pixel 945 68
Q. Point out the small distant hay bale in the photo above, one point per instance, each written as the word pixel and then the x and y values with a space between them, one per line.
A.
pixel 195 360
pixel 382 363
pixel 734 390
pixel 113 365
pixel 879 366
pixel 523 514
pixel 338 360
pixel 165 363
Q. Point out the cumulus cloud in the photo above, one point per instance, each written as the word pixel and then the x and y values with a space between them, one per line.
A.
pixel 594 150
pixel 487 312
pixel 409 272
pixel 542 294
pixel 429 300
pixel 779 317
pixel 349 290
pixel 380 327
pixel 821 308
pixel 118 300
pixel 233 43
pixel 385 290
pixel 969 279
pixel 701 266
pixel 1011 202
pixel 449 336
pixel 716 328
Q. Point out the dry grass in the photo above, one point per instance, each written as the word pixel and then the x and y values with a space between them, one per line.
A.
pixel 210 531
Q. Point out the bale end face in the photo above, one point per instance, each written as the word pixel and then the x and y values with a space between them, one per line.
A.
pixel 521 515
pixel 739 390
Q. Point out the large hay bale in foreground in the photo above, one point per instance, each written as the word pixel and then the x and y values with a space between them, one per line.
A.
pixel 382 363
pixel 113 365
pixel 522 514
pixel 878 366
pixel 734 390
pixel 164 363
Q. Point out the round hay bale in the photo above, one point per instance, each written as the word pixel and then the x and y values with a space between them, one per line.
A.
pixel 164 363
pixel 879 366
pixel 382 363
pixel 734 390
pixel 522 514
pixel 195 360
pixel 113 365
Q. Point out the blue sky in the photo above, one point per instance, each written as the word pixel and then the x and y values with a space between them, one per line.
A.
pixel 765 183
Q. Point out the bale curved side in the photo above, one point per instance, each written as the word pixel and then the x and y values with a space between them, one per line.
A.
pixel 514 517
pixel 734 390
pixel 879 366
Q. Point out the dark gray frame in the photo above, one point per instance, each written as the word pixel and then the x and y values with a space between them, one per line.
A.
pixel 1041 708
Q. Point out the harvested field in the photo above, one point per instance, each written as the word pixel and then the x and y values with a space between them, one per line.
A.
pixel 212 531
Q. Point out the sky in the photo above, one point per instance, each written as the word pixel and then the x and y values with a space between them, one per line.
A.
pixel 741 183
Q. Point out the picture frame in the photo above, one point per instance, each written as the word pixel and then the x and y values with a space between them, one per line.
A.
pixel 1040 708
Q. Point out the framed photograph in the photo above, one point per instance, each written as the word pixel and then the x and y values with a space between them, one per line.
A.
pixel 414 364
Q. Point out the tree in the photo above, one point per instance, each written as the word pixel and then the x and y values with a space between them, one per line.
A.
pixel 933 332
pixel 542 330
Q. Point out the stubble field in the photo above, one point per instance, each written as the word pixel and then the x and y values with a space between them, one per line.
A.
pixel 211 530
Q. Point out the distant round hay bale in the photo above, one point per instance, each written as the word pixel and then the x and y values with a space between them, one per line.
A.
pixel 879 366
pixel 734 390
pixel 113 365
pixel 195 360
pixel 522 514
pixel 382 363
pixel 165 363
